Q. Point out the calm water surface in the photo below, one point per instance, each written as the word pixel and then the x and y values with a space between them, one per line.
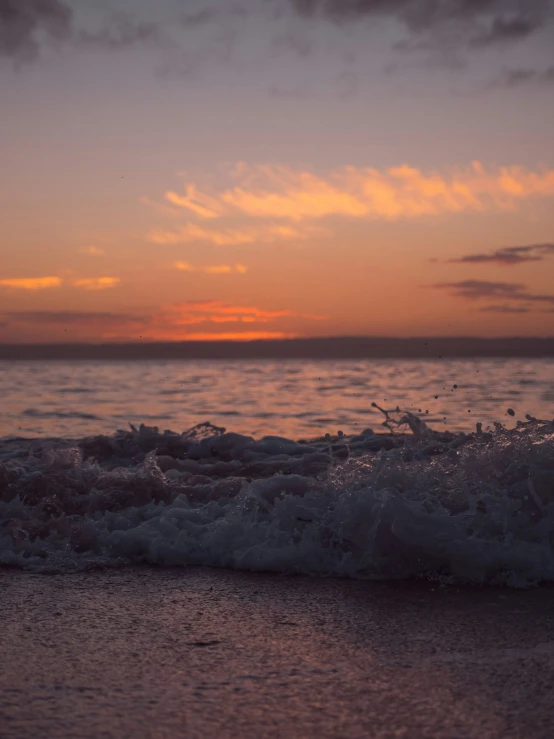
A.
pixel 290 398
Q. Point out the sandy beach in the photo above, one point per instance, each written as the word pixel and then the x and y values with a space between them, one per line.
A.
pixel 197 652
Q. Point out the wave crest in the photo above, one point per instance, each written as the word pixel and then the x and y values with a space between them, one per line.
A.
pixel 473 508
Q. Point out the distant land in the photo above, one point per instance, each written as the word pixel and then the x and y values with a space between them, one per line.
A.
pixel 319 348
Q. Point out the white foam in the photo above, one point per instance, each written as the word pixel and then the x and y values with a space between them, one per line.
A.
pixel 468 508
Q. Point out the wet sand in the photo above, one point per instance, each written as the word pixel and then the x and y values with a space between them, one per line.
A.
pixel 210 653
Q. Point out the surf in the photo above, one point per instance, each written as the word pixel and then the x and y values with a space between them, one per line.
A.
pixel 411 502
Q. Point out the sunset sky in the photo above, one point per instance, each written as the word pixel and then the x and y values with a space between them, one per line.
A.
pixel 196 169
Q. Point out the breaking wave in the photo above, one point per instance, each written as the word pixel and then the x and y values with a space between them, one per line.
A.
pixel 412 502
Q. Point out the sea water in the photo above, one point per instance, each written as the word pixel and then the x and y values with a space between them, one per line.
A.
pixel 291 398
pixel 437 470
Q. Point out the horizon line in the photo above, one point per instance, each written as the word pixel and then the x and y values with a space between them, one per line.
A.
pixel 332 347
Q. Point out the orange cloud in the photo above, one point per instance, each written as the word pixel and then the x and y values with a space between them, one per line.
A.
pixel 306 197
pixel 187 321
pixel 230 336
pixel 190 232
pixel 166 210
pixel 172 322
pixel 32 283
pixel 216 306
pixel 212 269
pixel 218 312
pixel 200 204
pixel 176 318
pixel 42 283
pixel 97 283
pixel 283 193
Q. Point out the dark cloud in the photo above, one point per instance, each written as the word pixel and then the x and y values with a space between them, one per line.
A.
pixel 505 309
pixel 478 289
pixel 518 77
pixel 69 317
pixel 485 22
pixel 349 9
pixel 507 30
pixel 23 22
pixel 426 13
pixel 483 289
pixel 510 255
pixel 119 32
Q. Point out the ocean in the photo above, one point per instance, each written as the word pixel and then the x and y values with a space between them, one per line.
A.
pixel 296 399
pixel 281 467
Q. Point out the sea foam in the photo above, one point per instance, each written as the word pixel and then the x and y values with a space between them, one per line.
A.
pixel 475 508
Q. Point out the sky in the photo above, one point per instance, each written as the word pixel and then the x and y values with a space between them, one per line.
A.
pixel 245 169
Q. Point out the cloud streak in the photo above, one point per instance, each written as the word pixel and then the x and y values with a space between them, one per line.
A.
pixel 524 76
pixel 230 336
pixel 71 317
pixel 198 203
pixel 212 269
pixel 507 309
pixel 191 232
pixel 45 283
pixel 509 256
pixel 477 290
pixel 96 283
pixel 216 311
pixel 31 283
pixel 231 236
